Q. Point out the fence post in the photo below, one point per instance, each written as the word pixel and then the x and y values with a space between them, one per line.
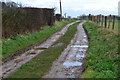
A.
pixel 109 21
pixel 105 21
pixel 89 16
pixel 102 20
pixel 94 18
pixel 113 22
pixel 99 19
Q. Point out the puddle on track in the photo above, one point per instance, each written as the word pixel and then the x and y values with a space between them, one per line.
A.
pixel 68 64
pixel 82 50
pixel 73 63
pixel 80 55
pixel 82 46
pixel 85 36
pixel 84 40
pixel 12 65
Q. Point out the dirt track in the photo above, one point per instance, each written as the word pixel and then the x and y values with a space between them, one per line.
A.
pixel 11 66
pixel 71 62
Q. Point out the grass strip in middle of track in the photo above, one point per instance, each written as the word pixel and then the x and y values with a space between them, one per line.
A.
pixel 41 64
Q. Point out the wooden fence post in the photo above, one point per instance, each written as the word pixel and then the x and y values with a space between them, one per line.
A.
pixel 113 22
pixel 93 18
pixel 105 21
pixel 99 19
pixel 102 20
pixel 89 16
pixel 109 21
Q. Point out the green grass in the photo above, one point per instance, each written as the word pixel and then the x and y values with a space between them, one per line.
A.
pixel 103 57
pixel 41 64
pixel 13 44
pixel 111 24
pixel 0 48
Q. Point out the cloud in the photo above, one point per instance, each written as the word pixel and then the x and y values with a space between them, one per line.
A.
pixel 75 7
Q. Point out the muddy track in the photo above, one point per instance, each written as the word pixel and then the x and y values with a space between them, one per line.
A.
pixel 70 63
pixel 12 65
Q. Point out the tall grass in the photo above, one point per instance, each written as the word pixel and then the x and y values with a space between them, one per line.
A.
pixel 103 57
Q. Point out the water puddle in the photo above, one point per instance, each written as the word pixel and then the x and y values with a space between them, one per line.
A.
pixel 71 55
pixel 78 41
pixel 18 61
pixel 73 70
pixel 75 49
pixel 85 36
pixel 85 46
pixel 82 50
pixel 84 40
pixel 69 72
pixel 80 56
pixel 68 64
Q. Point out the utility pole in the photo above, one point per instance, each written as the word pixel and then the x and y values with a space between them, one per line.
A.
pixel 65 15
pixel 60 8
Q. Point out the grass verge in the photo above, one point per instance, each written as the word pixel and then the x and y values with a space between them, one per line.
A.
pixel 41 64
pixel 13 44
pixel 115 30
pixel 103 56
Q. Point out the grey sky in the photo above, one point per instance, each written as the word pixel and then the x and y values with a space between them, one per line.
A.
pixel 77 7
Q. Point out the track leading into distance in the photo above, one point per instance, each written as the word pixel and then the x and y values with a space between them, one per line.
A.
pixel 11 66
pixel 70 63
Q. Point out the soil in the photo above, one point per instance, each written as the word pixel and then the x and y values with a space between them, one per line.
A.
pixel 12 64
pixel 70 63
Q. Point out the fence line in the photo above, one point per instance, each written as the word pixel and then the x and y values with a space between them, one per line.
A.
pixel 104 21
pixel 110 22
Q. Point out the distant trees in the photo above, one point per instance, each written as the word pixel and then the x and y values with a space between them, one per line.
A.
pixel 10 5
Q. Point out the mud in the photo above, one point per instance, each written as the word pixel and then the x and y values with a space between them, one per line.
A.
pixel 70 63
pixel 12 65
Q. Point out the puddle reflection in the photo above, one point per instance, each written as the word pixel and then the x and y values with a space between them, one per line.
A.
pixel 68 64
pixel 85 46
pixel 80 56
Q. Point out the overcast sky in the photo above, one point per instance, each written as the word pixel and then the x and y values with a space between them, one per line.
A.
pixel 77 7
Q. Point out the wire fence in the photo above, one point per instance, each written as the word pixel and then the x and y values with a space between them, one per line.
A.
pixel 109 22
